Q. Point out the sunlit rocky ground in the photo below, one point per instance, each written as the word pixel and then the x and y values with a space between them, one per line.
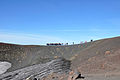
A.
pixel 97 60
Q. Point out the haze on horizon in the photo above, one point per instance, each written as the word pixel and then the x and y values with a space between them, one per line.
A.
pixel 43 21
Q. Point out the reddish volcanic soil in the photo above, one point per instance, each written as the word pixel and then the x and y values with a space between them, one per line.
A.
pixel 103 56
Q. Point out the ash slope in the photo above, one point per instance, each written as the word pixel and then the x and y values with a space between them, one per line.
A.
pixel 103 56
pixel 100 56
pixel 21 56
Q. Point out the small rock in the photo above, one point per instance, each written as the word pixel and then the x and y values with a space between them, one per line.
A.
pixel 28 78
pixel 107 52
pixel 75 75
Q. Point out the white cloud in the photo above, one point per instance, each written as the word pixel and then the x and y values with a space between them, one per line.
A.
pixel 28 38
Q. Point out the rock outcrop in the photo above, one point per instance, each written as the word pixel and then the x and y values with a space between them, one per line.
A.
pixel 75 75
pixel 39 71
pixel 4 66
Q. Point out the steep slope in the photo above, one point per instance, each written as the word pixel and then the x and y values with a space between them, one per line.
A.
pixel 101 57
pixel 25 55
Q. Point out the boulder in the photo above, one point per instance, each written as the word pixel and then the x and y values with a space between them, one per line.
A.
pixel 75 75
pixel 39 71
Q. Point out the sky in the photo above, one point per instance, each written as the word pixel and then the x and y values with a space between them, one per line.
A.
pixel 48 21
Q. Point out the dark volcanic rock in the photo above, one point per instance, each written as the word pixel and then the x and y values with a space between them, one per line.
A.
pixel 39 71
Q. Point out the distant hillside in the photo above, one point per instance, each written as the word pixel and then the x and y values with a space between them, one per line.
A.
pixel 25 55
pixel 93 57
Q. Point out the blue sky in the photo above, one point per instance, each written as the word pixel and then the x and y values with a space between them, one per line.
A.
pixel 42 21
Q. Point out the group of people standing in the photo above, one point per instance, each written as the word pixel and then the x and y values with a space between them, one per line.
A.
pixel 56 44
